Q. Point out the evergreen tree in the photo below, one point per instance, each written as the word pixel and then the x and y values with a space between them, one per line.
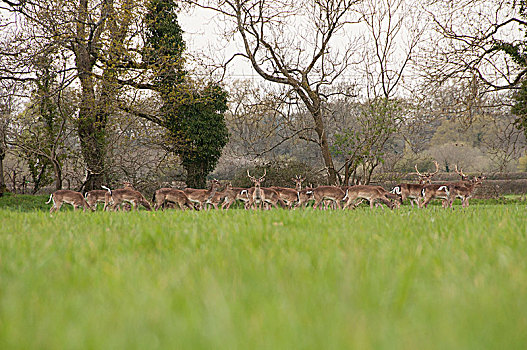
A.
pixel 192 115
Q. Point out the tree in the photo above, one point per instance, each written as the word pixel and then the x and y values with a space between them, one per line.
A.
pixel 91 37
pixel 201 133
pixel 391 39
pixel 482 45
pixel 294 44
pixel 363 142
pixel 192 115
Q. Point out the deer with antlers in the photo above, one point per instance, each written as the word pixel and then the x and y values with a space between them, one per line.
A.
pixel 69 197
pixel 413 191
pixel 463 189
pixel 258 195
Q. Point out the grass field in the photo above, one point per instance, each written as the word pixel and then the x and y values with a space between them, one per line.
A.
pixel 407 279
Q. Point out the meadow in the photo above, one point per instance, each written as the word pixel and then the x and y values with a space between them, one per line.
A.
pixel 358 279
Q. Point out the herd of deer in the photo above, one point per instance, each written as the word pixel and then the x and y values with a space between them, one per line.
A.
pixel 258 196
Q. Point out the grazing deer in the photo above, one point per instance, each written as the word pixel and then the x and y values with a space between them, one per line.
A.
pixel 171 195
pixel 331 193
pixel 432 191
pixel 202 197
pixel 413 191
pixel 95 196
pixel 371 194
pixel 124 195
pixel 66 196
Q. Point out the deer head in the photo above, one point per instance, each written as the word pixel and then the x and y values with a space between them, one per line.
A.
pixel 257 182
pixel 298 179
pixel 426 178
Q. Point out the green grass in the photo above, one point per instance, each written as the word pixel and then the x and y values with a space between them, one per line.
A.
pixel 407 279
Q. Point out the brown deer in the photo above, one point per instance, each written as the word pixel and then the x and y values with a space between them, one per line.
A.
pixel 331 193
pixel 69 197
pixel 95 196
pixel 114 198
pixel 233 194
pixel 432 191
pixel 171 195
pixel 371 194
pixel 464 191
pixel 202 197
pixel 259 196
pixel 413 191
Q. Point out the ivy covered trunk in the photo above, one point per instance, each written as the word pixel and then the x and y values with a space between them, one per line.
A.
pixel 196 174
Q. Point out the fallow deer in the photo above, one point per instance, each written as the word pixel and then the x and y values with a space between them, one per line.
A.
pixel 95 196
pixel 124 195
pixel 258 195
pixel 371 194
pixel 331 193
pixel 413 191
pixel 233 194
pixel 432 191
pixel 69 197
pixel 201 197
pixel 171 195
pixel 464 191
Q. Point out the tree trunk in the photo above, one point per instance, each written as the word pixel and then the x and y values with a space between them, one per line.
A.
pixel 2 178
pixel 196 176
pixel 91 128
pixel 324 144
pixel 39 178
pixel 58 174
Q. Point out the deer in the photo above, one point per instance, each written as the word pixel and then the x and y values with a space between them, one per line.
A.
pixel 464 190
pixel 95 196
pixel 67 196
pixel 371 194
pixel 432 191
pixel 258 196
pixel 413 191
pixel 304 196
pixel 289 195
pixel 298 179
pixel 171 195
pixel 220 196
pixel 331 193
pixel 233 194
pixel 202 197
pixel 124 195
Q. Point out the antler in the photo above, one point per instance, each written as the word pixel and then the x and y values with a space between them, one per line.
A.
pixel 418 173
pixel 265 172
pixel 460 172
pixel 437 169
pixel 250 177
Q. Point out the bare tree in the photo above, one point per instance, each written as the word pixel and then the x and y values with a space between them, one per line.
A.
pixel 469 43
pixel 298 44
